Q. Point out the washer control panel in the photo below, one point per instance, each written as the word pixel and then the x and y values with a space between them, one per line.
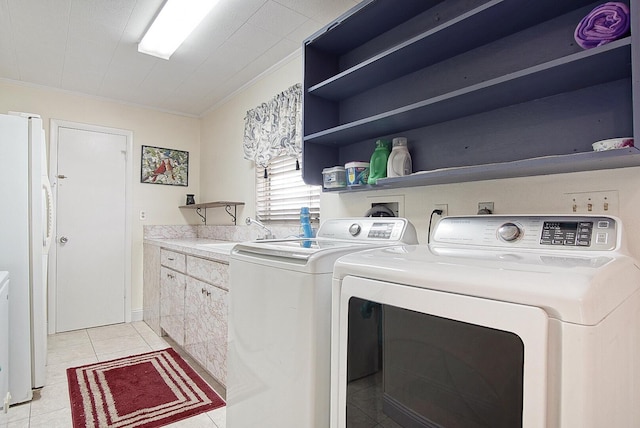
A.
pixel 388 229
pixel 595 233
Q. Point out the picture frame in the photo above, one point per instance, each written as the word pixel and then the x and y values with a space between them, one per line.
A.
pixel 160 165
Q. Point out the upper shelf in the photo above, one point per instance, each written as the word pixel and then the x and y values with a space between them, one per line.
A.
pixel 338 39
pixel 445 41
pixel 216 204
pixel 583 69
pixel 588 161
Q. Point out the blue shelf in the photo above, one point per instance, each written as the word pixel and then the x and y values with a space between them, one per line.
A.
pixel 587 68
pixel 589 161
pixel 440 43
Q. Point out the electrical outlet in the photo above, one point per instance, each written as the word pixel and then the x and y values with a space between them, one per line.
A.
pixel 600 202
pixel 443 207
pixel 394 202
pixel 143 215
pixel 485 207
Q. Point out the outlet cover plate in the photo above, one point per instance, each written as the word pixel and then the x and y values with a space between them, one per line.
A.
pixel 595 202
pixel 443 207
pixel 485 206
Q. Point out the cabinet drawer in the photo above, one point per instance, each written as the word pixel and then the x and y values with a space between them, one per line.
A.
pixel 214 273
pixel 172 260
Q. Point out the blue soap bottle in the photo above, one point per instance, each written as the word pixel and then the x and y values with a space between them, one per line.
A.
pixel 305 226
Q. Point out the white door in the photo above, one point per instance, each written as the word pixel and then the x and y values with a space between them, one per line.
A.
pixel 90 229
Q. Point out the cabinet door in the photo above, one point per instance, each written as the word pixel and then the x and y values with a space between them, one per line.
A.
pixel 195 334
pixel 206 327
pixel 172 289
pixel 151 287
pixel 216 316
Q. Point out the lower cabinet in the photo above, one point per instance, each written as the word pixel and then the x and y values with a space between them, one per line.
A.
pixel 193 301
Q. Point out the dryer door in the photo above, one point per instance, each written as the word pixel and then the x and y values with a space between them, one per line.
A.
pixel 447 359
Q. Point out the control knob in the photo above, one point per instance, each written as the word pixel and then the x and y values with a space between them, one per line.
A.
pixel 509 232
pixel 355 229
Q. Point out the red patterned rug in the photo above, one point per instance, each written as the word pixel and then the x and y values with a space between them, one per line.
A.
pixel 143 391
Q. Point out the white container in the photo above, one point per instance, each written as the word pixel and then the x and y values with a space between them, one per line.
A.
pixel 334 178
pixel 357 173
pixel 612 143
pixel 399 163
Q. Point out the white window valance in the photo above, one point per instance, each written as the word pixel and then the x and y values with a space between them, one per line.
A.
pixel 274 128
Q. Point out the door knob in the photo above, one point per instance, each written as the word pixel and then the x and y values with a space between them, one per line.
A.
pixel 64 240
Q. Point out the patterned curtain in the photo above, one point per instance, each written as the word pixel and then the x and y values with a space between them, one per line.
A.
pixel 274 128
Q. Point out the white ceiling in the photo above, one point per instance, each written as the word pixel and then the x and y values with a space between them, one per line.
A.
pixel 90 47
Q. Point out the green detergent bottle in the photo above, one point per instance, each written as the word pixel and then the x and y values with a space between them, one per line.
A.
pixel 378 164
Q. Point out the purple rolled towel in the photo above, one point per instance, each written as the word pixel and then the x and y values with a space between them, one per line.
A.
pixel 604 24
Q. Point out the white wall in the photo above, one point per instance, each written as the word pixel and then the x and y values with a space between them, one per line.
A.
pixel 531 195
pixel 149 128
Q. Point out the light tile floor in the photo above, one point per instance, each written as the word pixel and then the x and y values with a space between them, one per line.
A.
pixel 364 404
pixel 50 407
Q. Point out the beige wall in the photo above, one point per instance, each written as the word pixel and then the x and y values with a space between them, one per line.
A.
pixel 149 128
pixel 225 174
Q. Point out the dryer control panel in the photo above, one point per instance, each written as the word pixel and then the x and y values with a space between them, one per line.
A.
pixel 590 233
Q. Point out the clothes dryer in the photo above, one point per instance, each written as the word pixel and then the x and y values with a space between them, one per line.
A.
pixel 502 321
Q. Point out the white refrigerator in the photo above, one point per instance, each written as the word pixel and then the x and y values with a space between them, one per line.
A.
pixel 26 223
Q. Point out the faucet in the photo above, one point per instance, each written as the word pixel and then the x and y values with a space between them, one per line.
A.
pixel 268 235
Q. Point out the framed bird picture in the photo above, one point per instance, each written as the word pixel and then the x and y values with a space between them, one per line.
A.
pixel 164 166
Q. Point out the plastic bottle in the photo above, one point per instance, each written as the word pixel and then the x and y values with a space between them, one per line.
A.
pixel 378 164
pixel 305 226
pixel 399 163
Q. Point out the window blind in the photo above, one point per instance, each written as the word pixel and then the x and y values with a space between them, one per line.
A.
pixel 280 196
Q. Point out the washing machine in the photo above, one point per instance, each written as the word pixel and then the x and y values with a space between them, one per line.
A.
pixel 279 322
pixel 501 321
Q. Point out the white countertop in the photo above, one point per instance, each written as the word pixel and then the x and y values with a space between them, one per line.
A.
pixel 208 248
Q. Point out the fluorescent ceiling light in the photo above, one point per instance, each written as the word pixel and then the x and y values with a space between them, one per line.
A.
pixel 174 23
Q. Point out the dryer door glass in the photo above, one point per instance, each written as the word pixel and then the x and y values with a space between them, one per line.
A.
pixel 434 372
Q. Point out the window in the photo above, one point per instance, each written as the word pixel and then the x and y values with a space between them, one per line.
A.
pixel 280 196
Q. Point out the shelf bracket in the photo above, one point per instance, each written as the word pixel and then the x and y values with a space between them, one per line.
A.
pixel 235 212
pixel 203 217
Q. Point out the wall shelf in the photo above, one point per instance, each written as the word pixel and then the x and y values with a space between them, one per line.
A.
pixel 589 161
pixel 435 45
pixel 201 209
pixel 476 100
pixel 577 71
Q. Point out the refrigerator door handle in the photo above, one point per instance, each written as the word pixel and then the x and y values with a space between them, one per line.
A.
pixel 48 233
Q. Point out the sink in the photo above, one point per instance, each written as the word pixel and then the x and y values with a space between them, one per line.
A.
pixel 219 247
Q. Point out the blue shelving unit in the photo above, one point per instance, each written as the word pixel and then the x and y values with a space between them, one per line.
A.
pixel 477 99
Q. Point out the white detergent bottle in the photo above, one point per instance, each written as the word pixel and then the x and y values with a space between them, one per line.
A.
pixel 399 163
